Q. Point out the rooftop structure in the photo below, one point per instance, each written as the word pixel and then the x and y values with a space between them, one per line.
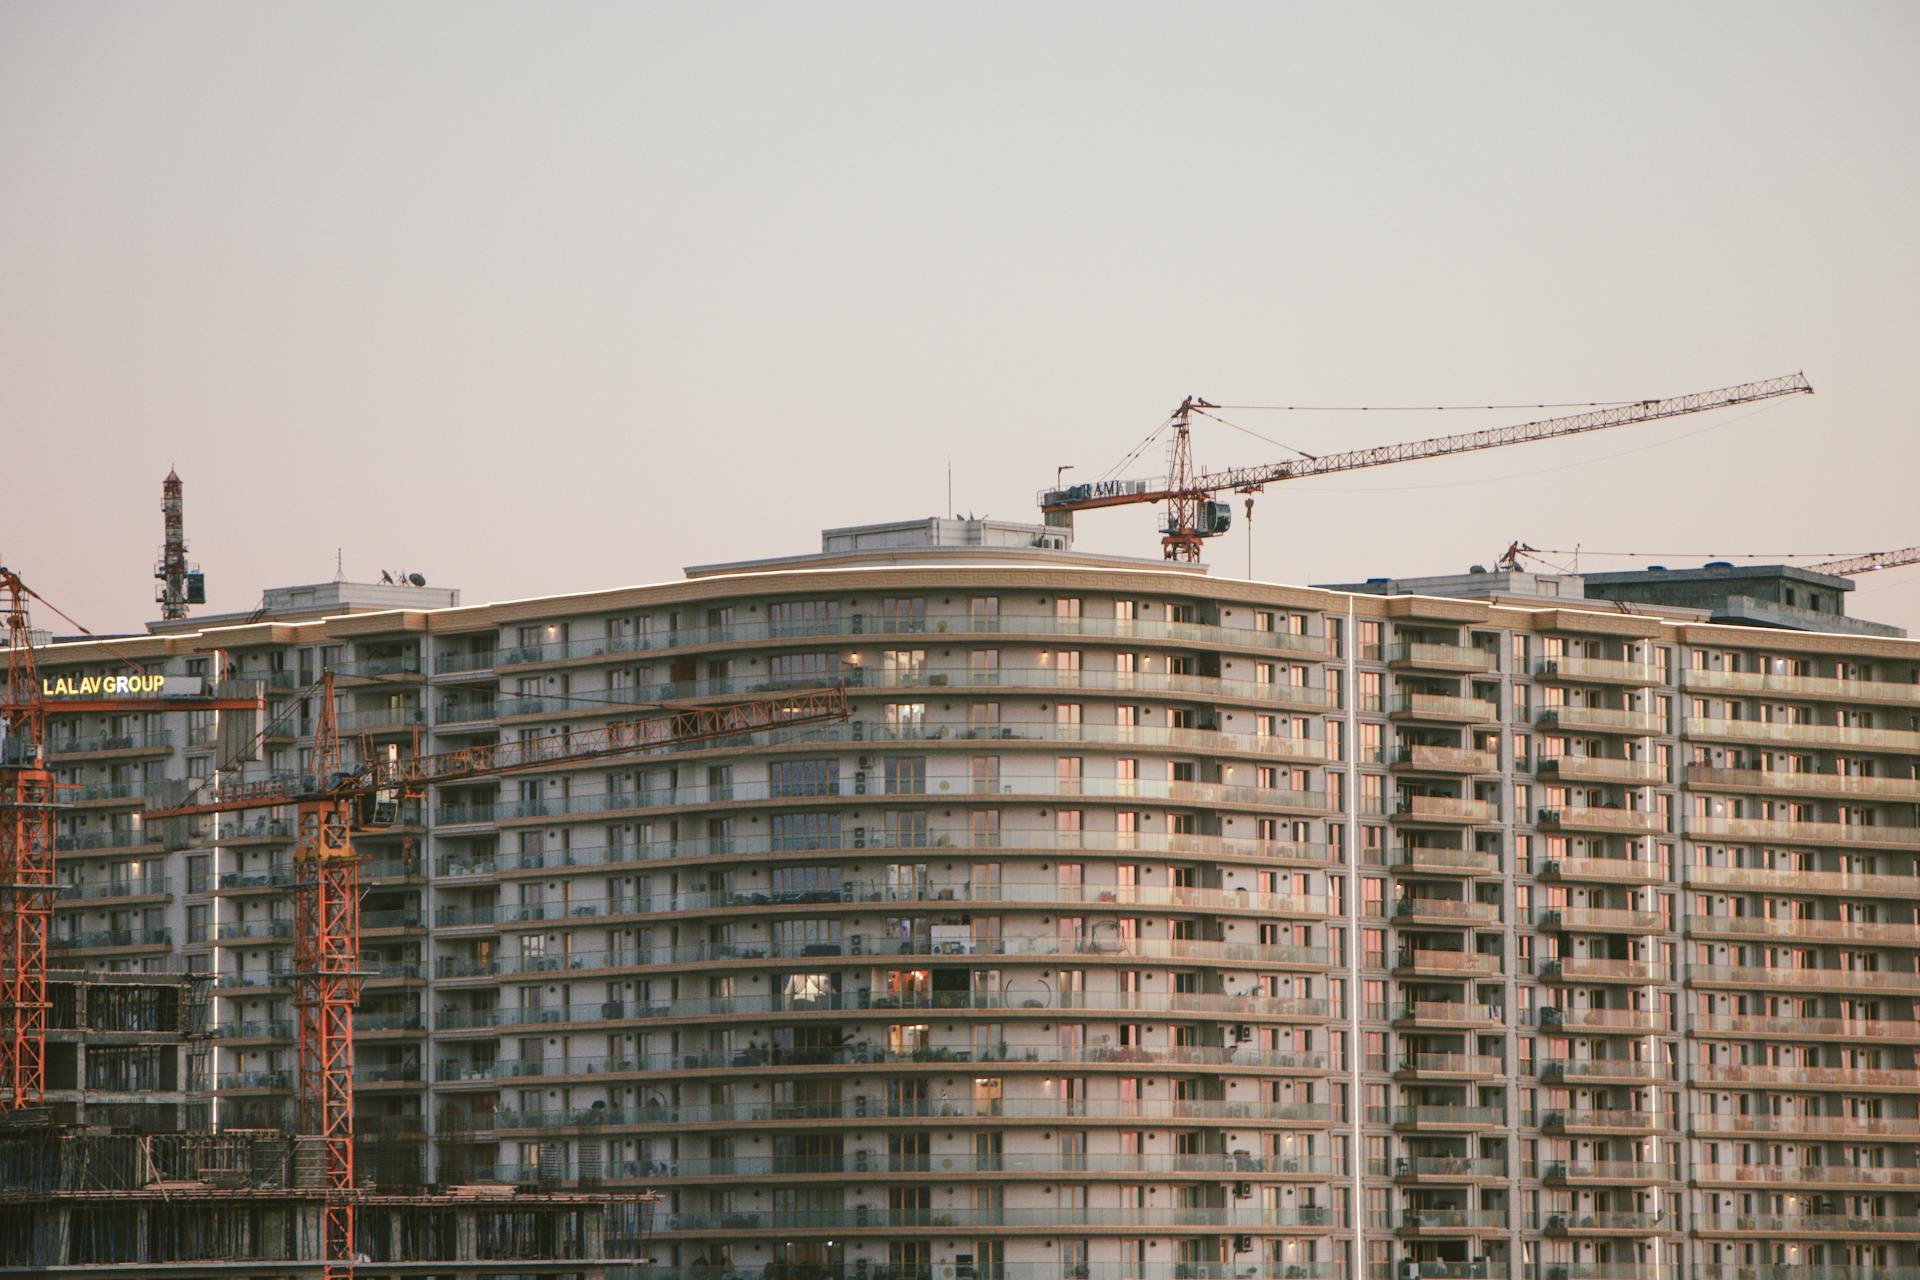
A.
pixel 1140 925
pixel 1759 595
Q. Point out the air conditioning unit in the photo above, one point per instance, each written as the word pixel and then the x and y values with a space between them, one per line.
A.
pixel 859 837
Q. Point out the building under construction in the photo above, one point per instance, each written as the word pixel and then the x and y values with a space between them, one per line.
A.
pixel 119 1169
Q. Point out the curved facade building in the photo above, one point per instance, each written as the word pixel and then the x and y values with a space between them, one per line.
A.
pixel 1140 925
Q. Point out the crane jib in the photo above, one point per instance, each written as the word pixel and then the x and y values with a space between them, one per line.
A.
pixel 1110 493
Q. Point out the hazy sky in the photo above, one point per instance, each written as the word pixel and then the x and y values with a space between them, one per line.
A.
pixel 545 297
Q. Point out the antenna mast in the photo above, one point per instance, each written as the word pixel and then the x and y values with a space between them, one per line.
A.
pixel 179 586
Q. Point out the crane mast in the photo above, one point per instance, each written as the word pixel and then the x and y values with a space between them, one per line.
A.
pixel 27 798
pixel 1191 519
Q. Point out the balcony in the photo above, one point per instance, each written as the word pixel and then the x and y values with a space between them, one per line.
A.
pixel 1601 920
pixel 1600 1121
pixel 1447 810
pixel 112 939
pixel 1799 1175
pixel 1618 1223
pixel 1792 928
pixel 1426 962
pixel 1608 1173
pixel 1604 1021
pixel 1600 1071
pixel 1447 1118
pixel 1803 833
pixel 1605 870
pixel 109 744
pixel 1425 860
pixel 95 891
pixel 1849 980
pixel 1448 1066
pixel 1595 671
pixel 1420 758
pixel 1764 1076
pixel 1592 969
pixel 1788 880
pixel 1423 656
pixel 1805 1225
pixel 1446 1015
pixel 1601 769
pixel 1839 786
pixel 1806 688
pixel 1766 1027
pixel 1603 820
pixel 1717 1124
pixel 1446 1222
pixel 1574 719
pixel 1445 911
pixel 1442 708
pixel 1776 734
pixel 1447 1169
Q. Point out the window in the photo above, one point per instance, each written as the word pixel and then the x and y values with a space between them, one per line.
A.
pixel 903 613
pixel 803 618
pixel 906 775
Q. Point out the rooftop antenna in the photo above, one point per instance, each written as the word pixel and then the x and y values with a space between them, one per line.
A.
pixel 180 583
pixel 339 564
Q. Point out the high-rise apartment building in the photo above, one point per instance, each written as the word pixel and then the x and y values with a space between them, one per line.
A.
pixel 1141 924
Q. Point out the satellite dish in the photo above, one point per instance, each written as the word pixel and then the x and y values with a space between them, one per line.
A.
pixel 416 579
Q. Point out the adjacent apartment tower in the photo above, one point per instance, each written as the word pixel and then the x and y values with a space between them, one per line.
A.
pixel 1141 925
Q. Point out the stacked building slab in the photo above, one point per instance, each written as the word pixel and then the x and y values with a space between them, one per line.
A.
pixel 1141 925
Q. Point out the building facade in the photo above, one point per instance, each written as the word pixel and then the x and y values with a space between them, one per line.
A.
pixel 1140 924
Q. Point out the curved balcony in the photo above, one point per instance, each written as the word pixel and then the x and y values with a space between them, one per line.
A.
pixel 882 1218
pixel 1043 1004
pixel 1117 949
pixel 1034 1110
pixel 880 1166
pixel 879 627
pixel 875 840
pixel 869 892
pixel 758 1058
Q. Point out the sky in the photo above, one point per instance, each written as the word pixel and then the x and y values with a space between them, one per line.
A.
pixel 534 298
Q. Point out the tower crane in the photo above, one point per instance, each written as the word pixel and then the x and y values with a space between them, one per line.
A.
pixel 27 799
pixel 1854 566
pixel 1192 516
pixel 341 799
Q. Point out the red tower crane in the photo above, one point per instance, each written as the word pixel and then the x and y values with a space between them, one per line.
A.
pixel 341 799
pixel 1192 517
pixel 26 862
